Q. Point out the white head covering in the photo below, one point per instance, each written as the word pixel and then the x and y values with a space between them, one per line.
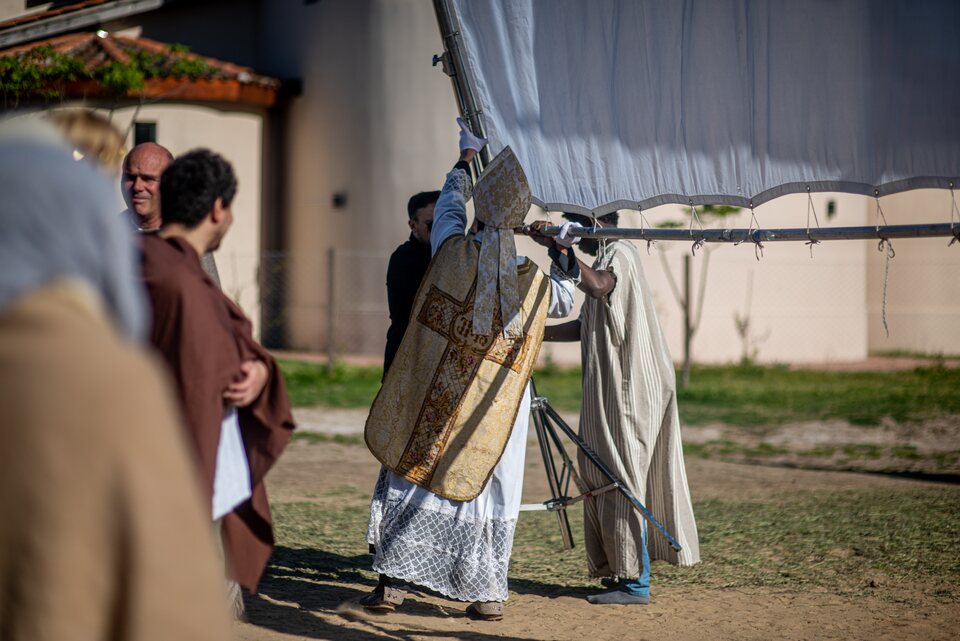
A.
pixel 56 221
pixel 501 200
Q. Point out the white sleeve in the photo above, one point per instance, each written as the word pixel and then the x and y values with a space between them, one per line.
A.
pixel 450 212
pixel 562 289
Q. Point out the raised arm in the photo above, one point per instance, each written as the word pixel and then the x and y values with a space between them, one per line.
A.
pixel 450 212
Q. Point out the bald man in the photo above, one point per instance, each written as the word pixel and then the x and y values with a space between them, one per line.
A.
pixel 140 184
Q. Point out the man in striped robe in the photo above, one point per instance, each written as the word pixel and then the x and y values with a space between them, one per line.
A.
pixel 629 417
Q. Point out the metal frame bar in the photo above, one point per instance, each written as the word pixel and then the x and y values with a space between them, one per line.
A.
pixel 736 236
pixel 460 75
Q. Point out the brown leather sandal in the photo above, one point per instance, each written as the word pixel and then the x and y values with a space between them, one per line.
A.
pixel 383 599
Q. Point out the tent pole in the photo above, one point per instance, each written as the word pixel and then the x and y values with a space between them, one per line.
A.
pixel 456 67
pixel 736 236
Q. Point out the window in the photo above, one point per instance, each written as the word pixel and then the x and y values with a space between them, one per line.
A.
pixel 144 132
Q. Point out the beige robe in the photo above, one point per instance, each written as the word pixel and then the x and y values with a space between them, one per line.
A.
pixel 103 534
pixel 629 417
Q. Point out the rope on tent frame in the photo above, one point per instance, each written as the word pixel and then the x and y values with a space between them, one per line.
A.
pixel 886 246
pixel 698 243
pixel 603 241
pixel 810 209
pixel 643 220
pixel 757 245
pixel 954 213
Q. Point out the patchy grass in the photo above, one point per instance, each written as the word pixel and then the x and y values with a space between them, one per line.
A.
pixel 749 396
pixel 318 437
pixel 846 543
pixel 311 384
pixel 754 396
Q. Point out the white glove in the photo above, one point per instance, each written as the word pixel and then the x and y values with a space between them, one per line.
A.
pixel 565 237
pixel 467 139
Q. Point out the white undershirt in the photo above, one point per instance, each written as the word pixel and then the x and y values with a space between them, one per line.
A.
pixel 231 479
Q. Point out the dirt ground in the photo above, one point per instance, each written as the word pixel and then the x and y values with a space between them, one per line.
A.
pixel 327 609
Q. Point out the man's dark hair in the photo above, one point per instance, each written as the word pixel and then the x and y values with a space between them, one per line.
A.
pixel 191 185
pixel 419 201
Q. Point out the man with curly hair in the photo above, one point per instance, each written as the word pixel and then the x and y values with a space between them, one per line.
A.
pixel 232 394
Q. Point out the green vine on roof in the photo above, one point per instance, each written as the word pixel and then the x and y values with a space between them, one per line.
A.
pixel 42 72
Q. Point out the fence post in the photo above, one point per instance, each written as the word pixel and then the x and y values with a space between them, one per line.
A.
pixel 331 309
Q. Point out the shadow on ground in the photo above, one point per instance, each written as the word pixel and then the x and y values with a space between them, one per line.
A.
pixel 303 588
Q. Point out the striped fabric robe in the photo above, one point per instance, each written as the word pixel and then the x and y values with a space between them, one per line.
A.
pixel 629 417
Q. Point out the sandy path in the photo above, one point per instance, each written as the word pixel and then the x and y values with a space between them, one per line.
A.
pixel 308 608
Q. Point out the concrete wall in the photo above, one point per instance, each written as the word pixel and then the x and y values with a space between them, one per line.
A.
pixel 222 29
pixel 923 284
pixel 375 124
pixel 13 8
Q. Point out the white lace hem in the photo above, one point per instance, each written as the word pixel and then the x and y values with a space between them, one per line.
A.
pixel 463 559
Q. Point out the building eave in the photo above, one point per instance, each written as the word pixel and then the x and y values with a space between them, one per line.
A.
pixel 46 27
pixel 183 90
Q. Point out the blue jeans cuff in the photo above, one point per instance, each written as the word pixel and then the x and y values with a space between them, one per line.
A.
pixel 635 588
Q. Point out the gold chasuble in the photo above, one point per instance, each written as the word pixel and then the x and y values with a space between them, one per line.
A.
pixel 449 401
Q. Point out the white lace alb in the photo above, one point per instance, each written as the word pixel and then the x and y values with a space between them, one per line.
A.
pixel 461 558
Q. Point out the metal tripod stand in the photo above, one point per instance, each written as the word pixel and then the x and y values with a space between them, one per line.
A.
pixel 547 422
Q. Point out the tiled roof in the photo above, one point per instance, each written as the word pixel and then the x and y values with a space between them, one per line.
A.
pixel 223 82
pixel 50 13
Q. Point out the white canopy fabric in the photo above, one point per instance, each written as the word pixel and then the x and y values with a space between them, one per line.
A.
pixel 613 104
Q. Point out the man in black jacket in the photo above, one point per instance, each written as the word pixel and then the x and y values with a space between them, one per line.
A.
pixel 408 264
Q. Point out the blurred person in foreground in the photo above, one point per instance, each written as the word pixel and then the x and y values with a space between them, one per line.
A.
pixel 143 169
pixel 628 417
pixel 104 535
pixel 450 422
pixel 233 397
pixel 406 268
pixel 92 137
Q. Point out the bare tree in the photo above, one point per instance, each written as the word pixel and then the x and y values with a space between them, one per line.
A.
pixel 692 308
pixel 749 342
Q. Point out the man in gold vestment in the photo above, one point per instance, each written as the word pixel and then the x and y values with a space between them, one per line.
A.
pixel 450 422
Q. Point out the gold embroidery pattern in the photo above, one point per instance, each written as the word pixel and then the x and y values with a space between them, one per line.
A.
pixel 459 363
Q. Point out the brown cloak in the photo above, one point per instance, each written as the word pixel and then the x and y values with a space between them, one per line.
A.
pixel 204 337
pixel 103 534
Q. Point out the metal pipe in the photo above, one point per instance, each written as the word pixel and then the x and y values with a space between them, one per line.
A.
pixel 816 234
pixel 460 76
